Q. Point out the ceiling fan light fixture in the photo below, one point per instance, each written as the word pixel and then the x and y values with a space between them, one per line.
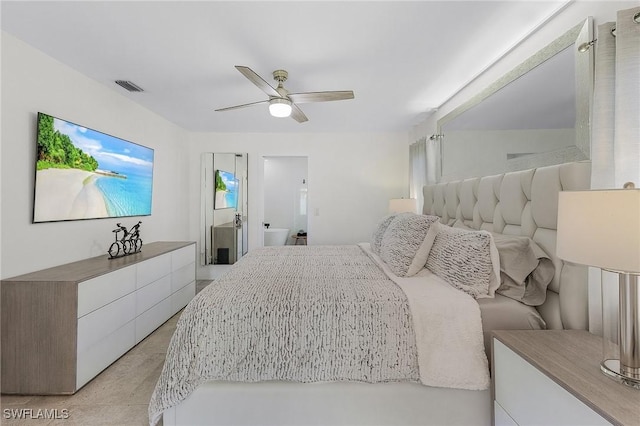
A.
pixel 280 107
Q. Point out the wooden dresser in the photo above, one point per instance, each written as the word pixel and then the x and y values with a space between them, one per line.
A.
pixel 62 326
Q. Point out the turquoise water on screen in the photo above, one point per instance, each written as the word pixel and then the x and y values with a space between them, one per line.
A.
pixel 127 197
pixel 231 199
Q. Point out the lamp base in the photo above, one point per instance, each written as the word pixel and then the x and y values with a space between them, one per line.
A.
pixel 611 367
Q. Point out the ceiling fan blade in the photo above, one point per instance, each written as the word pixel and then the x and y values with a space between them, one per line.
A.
pixel 258 81
pixel 307 97
pixel 243 105
pixel 297 114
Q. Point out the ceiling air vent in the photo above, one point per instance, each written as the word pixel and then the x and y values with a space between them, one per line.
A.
pixel 129 86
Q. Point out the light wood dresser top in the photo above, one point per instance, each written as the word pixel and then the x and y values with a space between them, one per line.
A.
pixel 571 358
pixel 89 268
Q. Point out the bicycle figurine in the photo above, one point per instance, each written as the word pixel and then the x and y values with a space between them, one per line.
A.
pixel 129 243
pixel 134 238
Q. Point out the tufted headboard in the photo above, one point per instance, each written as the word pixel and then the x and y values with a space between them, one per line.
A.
pixel 523 203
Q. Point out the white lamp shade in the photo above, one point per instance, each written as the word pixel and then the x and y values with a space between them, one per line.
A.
pixel 403 205
pixel 600 228
pixel 280 107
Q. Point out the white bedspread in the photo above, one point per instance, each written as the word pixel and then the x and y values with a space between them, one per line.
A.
pixel 434 336
pixel 448 330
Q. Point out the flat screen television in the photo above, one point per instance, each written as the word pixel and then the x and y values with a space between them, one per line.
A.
pixel 226 193
pixel 85 174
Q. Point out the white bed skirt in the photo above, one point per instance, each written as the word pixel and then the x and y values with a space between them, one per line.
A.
pixel 346 403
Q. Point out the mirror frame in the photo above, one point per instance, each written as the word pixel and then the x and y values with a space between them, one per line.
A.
pixel 581 150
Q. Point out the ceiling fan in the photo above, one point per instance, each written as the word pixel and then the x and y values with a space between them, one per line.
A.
pixel 281 102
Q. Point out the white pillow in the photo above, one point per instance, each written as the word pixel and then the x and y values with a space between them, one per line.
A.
pixel 378 233
pixel 466 259
pixel 405 246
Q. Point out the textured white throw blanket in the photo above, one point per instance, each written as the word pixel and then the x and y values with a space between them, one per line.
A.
pixel 448 330
pixel 322 313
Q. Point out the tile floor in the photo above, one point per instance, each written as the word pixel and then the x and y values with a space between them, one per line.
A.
pixel 118 396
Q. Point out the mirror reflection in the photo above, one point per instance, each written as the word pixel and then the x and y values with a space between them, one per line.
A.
pixel 224 207
pixel 535 115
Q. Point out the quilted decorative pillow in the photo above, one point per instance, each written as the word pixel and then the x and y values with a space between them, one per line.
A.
pixel 466 259
pixel 378 233
pixel 405 246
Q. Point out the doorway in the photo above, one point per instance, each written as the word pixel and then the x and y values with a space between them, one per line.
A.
pixel 286 195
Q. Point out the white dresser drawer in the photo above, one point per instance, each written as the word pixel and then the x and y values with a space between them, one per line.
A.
pixel 153 269
pixel 100 323
pixel 183 256
pixel 152 319
pixel 183 276
pixel 180 298
pixel 529 397
pixel 100 291
pixel 96 358
pixel 152 294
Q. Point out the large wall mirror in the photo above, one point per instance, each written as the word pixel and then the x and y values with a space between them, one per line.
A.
pixel 537 114
pixel 223 193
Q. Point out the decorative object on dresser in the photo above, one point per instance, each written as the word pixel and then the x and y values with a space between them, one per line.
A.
pixel 129 243
pixel 62 326
pixel 601 228
pixel 551 377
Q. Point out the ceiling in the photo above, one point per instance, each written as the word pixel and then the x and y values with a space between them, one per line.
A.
pixel 402 59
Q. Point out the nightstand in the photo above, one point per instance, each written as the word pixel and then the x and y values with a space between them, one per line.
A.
pixel 553 377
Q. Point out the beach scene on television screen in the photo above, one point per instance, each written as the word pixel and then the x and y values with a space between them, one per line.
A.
pixel 85 174
pixel 226 195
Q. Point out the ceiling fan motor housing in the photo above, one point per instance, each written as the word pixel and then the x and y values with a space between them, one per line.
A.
pixel 280 76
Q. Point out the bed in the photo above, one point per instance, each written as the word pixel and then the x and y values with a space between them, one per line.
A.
pixel 367 334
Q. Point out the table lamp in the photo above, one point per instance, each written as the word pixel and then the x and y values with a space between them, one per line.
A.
pixel 601 228
pixel 403 205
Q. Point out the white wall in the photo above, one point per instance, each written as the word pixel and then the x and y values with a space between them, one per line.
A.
pixel 352 176
pixel 32 82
